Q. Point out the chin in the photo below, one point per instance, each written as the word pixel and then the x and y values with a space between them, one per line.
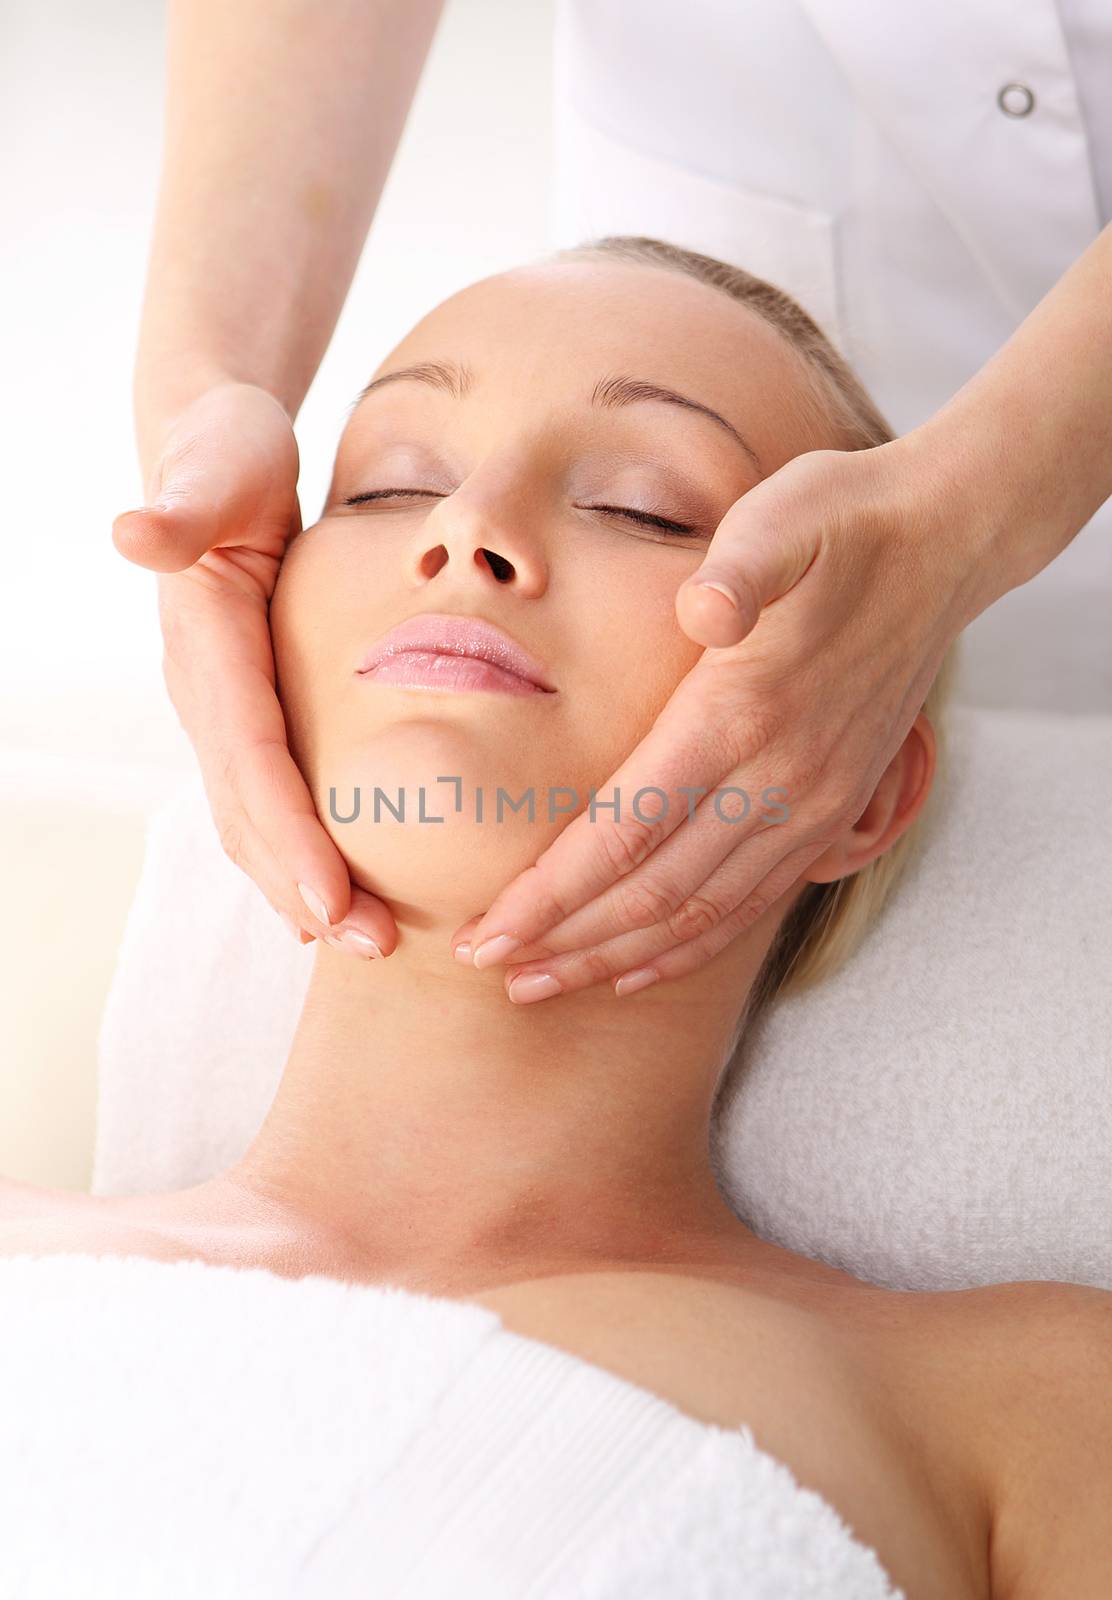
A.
pixel 437 856
pixel 444 873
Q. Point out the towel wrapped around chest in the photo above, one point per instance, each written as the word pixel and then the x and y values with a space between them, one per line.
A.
pixel 178 1430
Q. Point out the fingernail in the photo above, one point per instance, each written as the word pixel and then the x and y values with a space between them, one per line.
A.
pixel 355 942
pixel 720 588
pixel 316 905
pixel 639 978
pixel 496 949
pixel 462 952
pixel 532 986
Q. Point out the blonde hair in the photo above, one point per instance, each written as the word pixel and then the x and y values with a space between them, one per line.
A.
pixel 828 920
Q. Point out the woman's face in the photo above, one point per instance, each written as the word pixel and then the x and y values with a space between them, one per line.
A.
pixel 510 503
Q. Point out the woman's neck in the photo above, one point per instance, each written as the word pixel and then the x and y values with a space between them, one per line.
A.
pixel 425 1120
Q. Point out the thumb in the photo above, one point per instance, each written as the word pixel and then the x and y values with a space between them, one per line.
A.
pixel 231 461
pixel 761 549
pixel 167 538
pixel 200 487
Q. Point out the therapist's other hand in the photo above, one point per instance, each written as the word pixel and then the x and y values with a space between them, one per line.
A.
pixel 850 587
pixel 224 505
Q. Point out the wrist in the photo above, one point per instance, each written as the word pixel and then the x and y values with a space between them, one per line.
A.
pixel 960 490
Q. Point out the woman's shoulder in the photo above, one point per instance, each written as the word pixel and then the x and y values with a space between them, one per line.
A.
pixel 817 1375
pixel 974 1426
pixel 1031 1362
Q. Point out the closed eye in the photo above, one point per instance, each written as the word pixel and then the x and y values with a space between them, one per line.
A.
pixel 646 518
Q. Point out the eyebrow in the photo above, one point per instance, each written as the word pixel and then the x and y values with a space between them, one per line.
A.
pixel 618 390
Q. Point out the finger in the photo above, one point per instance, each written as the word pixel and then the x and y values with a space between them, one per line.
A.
pixel 460 942
pixel 228 691
pixel 685 748
pixel 369 929
pixel 171 538
pixel 653 954
pixel 273 793
pixel 669 886
pixel 246 847
pixel 246 850
pixel 165 539
pixel 461 946
pixel 759 552
pixel 681 959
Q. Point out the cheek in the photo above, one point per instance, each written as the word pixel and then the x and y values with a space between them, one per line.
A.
pixel 314 626
pixel 638 656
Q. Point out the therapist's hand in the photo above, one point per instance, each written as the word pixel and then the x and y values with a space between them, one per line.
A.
pixel 851 584
pixel 224 494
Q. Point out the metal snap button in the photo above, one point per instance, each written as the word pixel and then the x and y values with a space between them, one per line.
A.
pixel 1016 100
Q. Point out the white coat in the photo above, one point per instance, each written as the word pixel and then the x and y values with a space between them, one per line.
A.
pixel 917 175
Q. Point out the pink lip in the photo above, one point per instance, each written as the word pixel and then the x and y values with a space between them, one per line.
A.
pixel 435 650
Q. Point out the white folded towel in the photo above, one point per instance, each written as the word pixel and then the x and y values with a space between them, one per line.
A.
pixel 179 1430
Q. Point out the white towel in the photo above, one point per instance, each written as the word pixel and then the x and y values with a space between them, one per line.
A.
pixel 936 1115
pixel 178 1430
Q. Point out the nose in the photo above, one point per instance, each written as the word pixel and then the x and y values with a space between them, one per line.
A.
pixel 481 537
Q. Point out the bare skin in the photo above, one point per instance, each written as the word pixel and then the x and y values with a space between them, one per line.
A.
pixel 552 1162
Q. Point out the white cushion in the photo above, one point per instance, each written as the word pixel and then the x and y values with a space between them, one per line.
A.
pixel 937 1114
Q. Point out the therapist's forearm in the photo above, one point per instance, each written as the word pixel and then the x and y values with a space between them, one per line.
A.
pixel 282 120
pixel 1023 451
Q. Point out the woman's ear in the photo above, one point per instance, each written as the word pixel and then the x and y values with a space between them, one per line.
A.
pixel 897 800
